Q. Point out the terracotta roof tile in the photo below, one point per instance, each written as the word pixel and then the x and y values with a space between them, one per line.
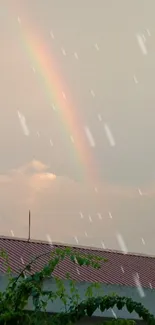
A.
pixel 119 269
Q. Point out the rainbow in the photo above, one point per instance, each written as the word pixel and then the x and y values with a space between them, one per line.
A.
pixel 47 70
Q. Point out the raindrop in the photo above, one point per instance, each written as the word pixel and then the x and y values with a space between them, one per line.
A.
pixel 141 44
pixel 122 269
pixel 81 215
pixel 52 35
pixel 12 233
pixel 49 240
pixel 22 260
pixel 72 139
pixel 53 106
pixel 109 135
pixel 89 137
pixel 75 260
pixel 97 47
pixel 110 215
pixel 103 245
pixel 76 56
pixel 23 124
pixel 114 314
pixel 138 285
pixel 148 32
pixel 99 215
pixel 150 285
pixel 63 51
pixel 78 272
pixel 99 117
pixel 137 275
pixel 19 20
pixel 92 93
pixel 135 79
pixel 76 239
pixel 140 192
pixel 63 95
pixel 51 143
pixel 144 39
pixel 122 243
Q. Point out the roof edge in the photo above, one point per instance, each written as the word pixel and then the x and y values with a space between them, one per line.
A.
pixel 45 242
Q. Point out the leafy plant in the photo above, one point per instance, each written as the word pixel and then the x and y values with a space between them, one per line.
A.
pixel 26 285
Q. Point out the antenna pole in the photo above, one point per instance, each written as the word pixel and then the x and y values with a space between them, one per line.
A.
pixel 29 237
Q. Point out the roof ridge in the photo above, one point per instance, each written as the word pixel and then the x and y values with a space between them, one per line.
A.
pixel 97 249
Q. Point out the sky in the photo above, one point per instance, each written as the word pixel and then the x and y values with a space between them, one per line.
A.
pixel 77 122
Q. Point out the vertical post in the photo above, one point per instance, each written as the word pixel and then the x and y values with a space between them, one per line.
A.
pixel 29 236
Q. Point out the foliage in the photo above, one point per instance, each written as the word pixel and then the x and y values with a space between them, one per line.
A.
pixel 119 322
pixel 29 285
pixel 89 306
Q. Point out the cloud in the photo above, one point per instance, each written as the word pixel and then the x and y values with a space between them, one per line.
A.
pixel 55 202
pixel 32 167
pixel 23 183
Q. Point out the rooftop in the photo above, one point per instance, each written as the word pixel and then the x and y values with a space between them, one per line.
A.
pixel 120 268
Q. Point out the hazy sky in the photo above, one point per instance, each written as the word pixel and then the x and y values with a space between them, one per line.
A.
pixel 77 121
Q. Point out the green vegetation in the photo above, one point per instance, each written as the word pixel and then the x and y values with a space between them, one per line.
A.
pixel 25 286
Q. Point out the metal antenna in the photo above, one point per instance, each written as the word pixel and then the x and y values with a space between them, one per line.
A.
pixel 29 237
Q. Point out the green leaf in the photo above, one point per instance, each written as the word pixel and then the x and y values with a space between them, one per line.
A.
pixel 102 306
pixel 130 305
pixel 91 309
pixel 120 303
pixel 67 276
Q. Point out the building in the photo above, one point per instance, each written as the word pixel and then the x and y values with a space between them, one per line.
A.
pixel 130 275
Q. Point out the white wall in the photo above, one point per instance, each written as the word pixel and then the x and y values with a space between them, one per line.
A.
pixel 147 301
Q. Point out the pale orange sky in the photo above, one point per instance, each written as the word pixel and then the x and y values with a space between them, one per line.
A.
pixel 110 80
